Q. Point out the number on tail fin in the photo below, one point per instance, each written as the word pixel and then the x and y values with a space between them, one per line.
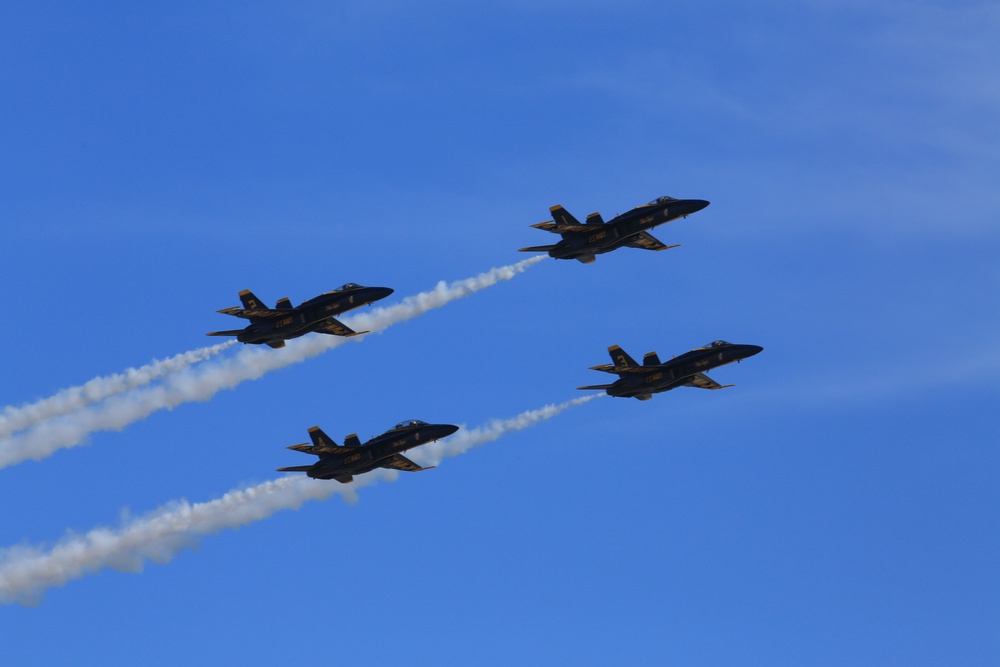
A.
pixel 562 216
pixel 250 301
pixel 320 439
pixel 621 358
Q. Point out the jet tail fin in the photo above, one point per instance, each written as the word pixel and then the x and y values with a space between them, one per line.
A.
pixel 352 441
pixel 320 439
pixel 621 358
pixel 253 308
pixel 651 359
pixel 283 304
pixel 594 219
pixel 562 216
pixel 250 301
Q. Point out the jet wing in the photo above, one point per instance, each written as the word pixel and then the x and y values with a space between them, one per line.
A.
pixel 647 241
pixel 400 462
pixel 702 381
pixel 562 229
pixel 319 450
pixel 620 370
pixel 295 469
pixel 334 327
pixel 246 314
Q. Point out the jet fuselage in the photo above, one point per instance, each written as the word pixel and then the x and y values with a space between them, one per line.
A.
pixel 622 229
pixel 308 316
pixel 374 453
pixel 654 376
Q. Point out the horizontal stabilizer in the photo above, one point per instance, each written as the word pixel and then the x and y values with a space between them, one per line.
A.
pixel 537 248
pixel 606 368
pixel 234 332
pixel 596 386
pixel 295 469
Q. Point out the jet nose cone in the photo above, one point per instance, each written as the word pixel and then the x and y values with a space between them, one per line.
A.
pixel 697 204
pixel 382 292
pixel 438 431
pixel 753 349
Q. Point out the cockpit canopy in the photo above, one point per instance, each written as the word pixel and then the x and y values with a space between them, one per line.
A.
pixel 408 424
pixel 661 200
pixel 347 286
pixel 719 343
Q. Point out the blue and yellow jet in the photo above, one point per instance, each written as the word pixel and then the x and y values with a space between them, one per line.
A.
pixel 583 241
pixel 342 462
pixel 273 326
pixel 654 376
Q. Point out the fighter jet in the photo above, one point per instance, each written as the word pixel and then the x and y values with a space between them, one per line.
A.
pixel 593 237
pixel 655 376
pixel 273 326
pixel 342 462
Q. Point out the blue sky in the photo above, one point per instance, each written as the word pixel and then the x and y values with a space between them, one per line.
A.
pixel 838 506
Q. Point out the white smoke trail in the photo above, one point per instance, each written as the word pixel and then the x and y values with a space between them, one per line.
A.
pixel 200 383
pixel 94 391
pixel 27 572
pixel 466 439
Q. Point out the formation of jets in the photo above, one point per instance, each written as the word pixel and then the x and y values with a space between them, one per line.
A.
pixel 579 241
